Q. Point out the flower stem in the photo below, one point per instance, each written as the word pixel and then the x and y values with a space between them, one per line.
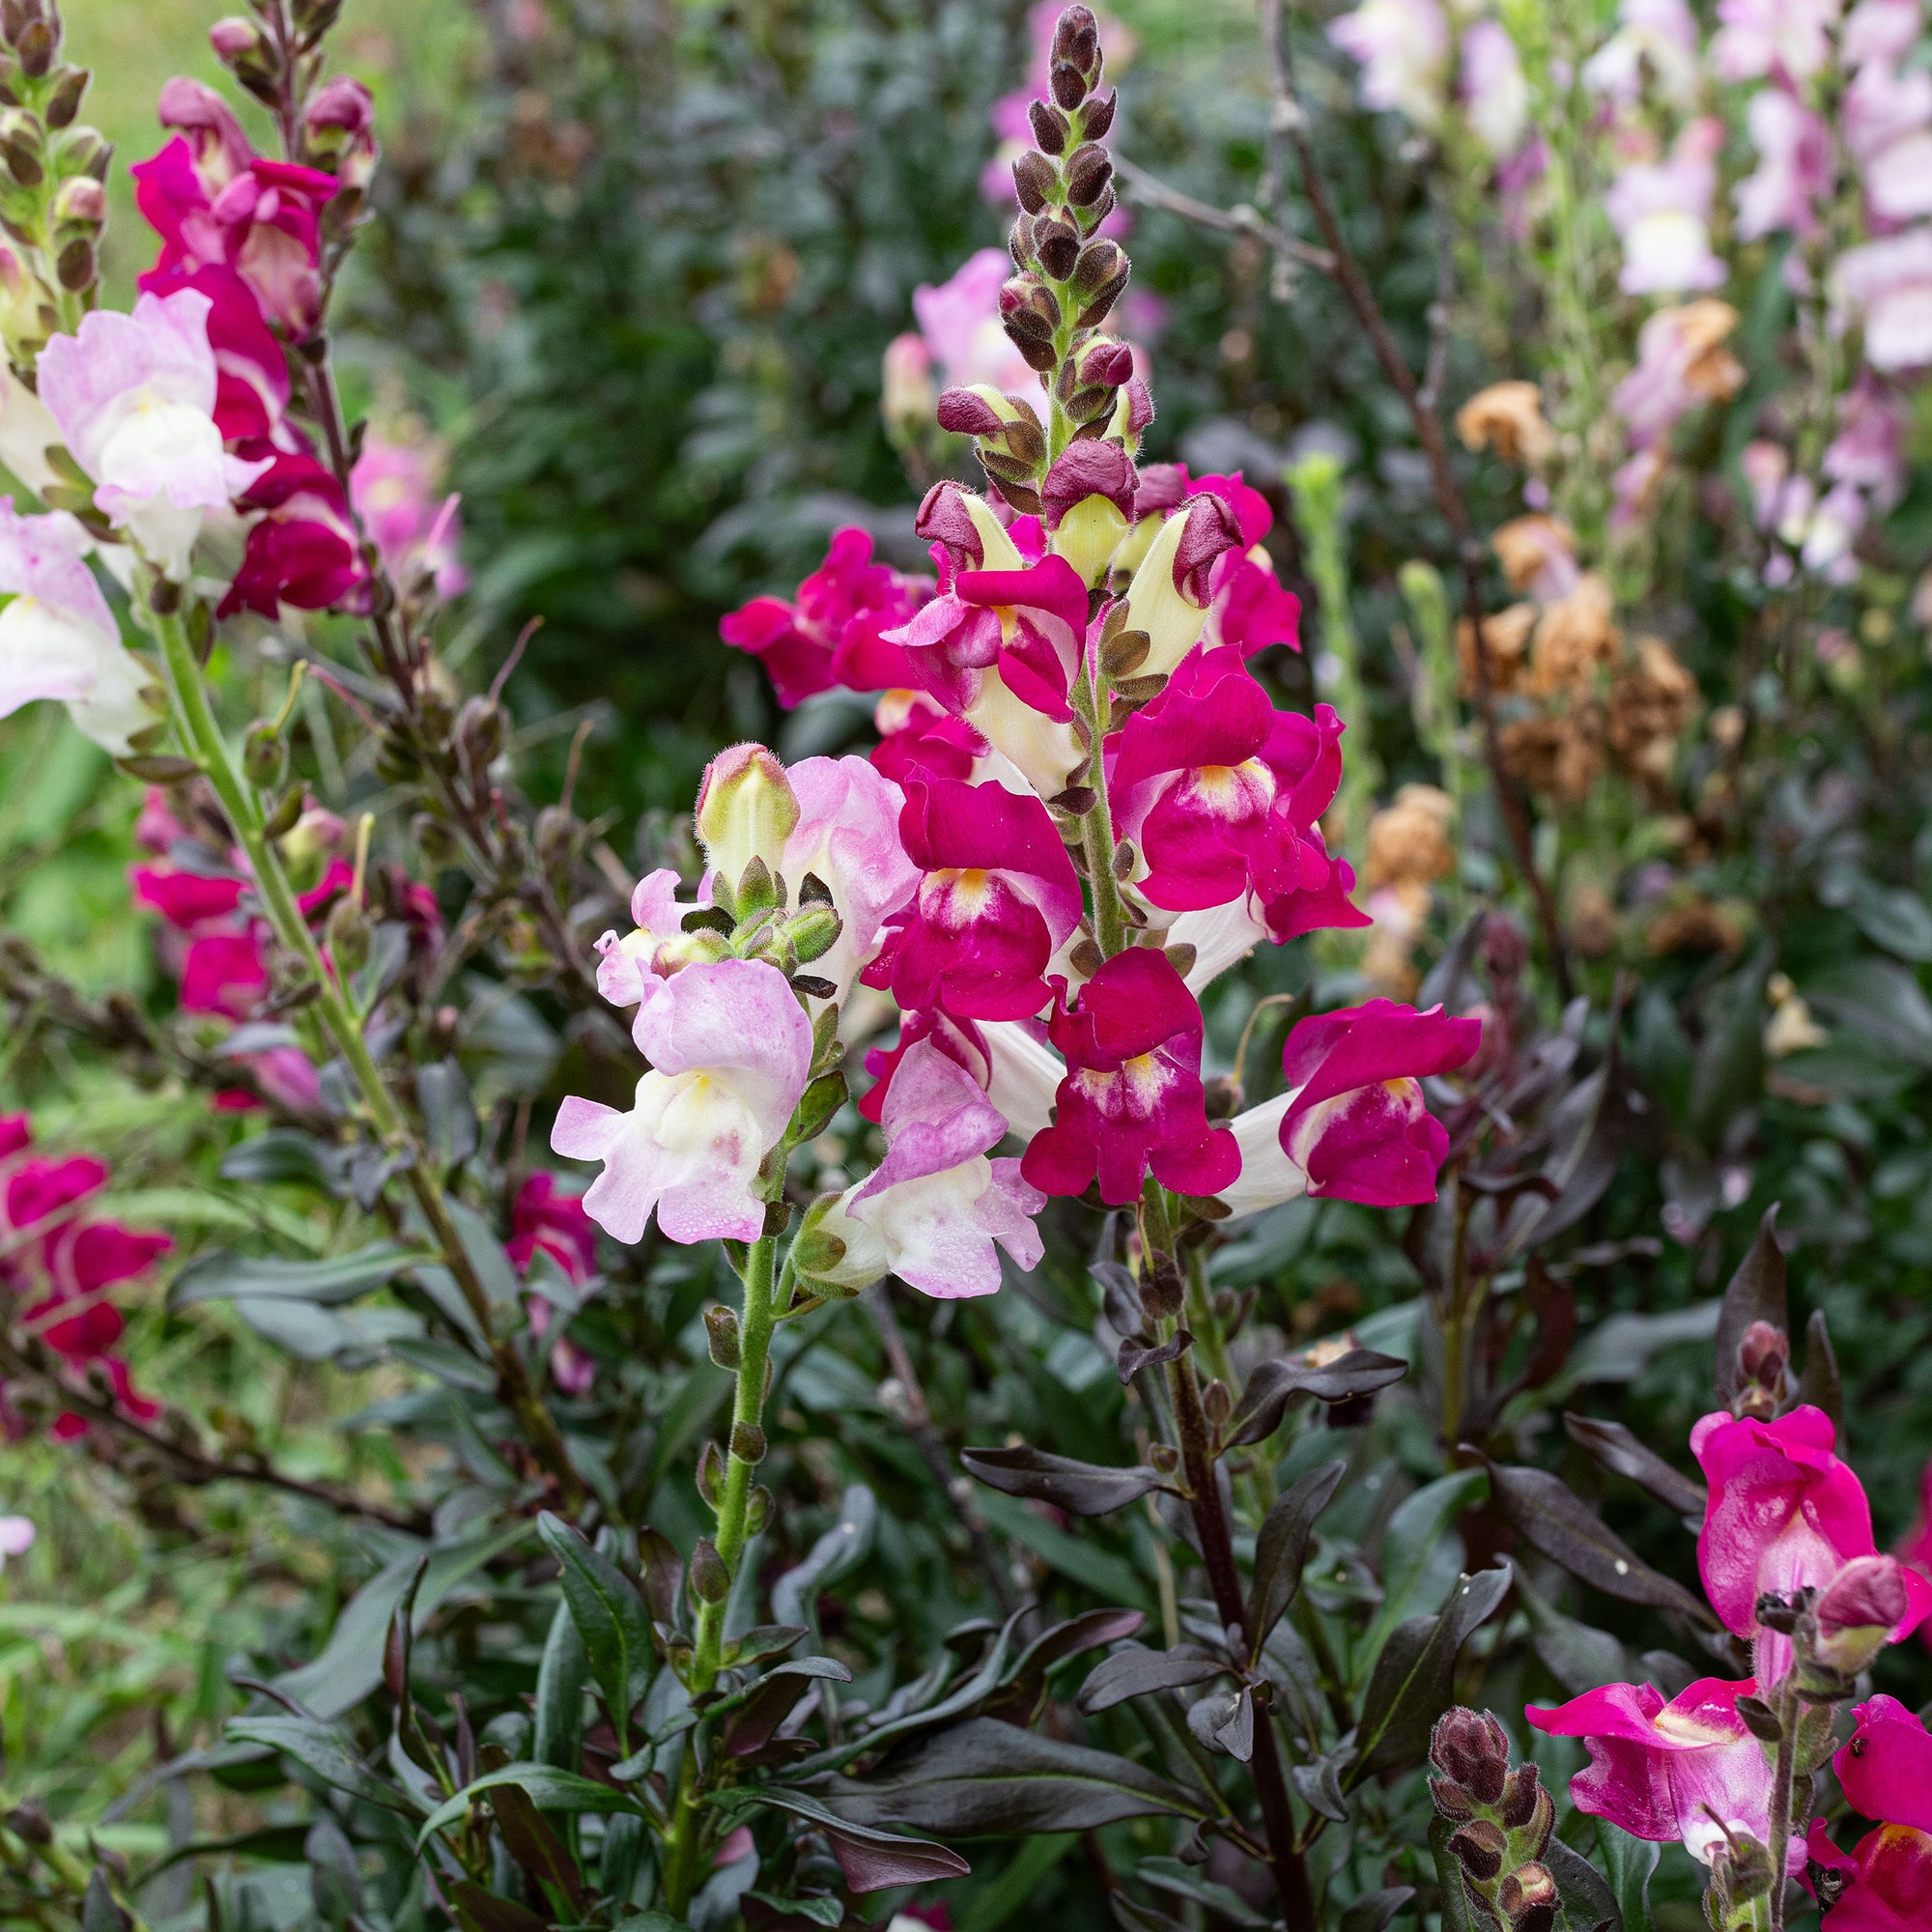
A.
pixel 202 735
pixel 1097 832
pixel 1783 1777
pixel 747 1407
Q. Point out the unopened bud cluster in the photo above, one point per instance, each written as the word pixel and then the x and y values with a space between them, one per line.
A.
pixel 53 204
pixel 1502 1819
pixel 1066 280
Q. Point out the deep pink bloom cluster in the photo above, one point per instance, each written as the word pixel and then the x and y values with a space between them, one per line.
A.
pixel 546 1220
pixel 58 1265
pixel 247 234
pixel 1783 1515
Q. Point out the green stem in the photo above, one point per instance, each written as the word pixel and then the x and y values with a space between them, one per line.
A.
pixel 747 1407
pixel 1096 835
pixel 1783 1777
pixel 203 736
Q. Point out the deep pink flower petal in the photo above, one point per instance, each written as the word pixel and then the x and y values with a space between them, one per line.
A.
pixel 1884 1769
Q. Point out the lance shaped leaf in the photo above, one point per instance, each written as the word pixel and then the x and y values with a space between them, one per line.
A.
pixel 1618 1448
pixel 758 1712
pixel 1374 1909
pixel 549 1789
pixel 1551 1516
pixel 1281 1547
pixel 611 1617
pixel 480 1909
pixel 1081 1489
pixel 1134 1671
pixel 1275 1384
pixel 1587 1899
pixel 1757 1292
pixel 1820 1383
pixel 322 1750
pixel 870 1859
pixel 985 1777
pixel 1413 1678
pixel 1629 1862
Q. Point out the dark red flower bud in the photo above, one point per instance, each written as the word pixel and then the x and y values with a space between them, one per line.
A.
pixel 1035 179
pixel 1099 114
pixel 1050 127
pixel 1057 242
pixel 1088 173
pixel 1068 85
pixel 1028 308
pixel 1763 1353
pixel 1090 467
pixel 1480 1849
pixel 1211 530
pixel 943 518
pixel 1521 1791
pixel 964 414
pixel 1164 487
pixel 1472 1748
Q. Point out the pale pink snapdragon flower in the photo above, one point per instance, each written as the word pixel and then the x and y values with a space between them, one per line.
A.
pixel 1403 49
pixel 134 398
pixel 960 322
pixel 58 638
pixel 1794 167
pixel 730 1050
pixel 1787 37
pixel 1654 40
pixel 1662 212
pixel 415 527
pixel 1886 285
pixel 1496 96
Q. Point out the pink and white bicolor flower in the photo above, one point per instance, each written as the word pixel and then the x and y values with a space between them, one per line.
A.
pixel 1684 1772
pixel 1011 1060
pixel 58 638
pixel 1353 1124
pixel 134 397
pixel 1784 1514
pixel 730 1050
pixel 935 1207
pixel 848 836
pixel 997 898
pixel 632 969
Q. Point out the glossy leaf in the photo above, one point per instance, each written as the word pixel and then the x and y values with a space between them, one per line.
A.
pixel 1081 1489
pixel 609 1616
pixel 870 1859
pixel 1413 1678
pixel 1277 1384
pixel 1133 1671
pixel 1587 1899
pixel 1618 1448
pixel 322 1750
pixel 1281 1547
pixel 549 1789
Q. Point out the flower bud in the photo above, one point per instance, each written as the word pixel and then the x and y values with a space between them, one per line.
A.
pixel 232 37
pixel 483 730
pixel 1028 310
pixel 64 102
pixel 80 203
pixel 710 1582
pixel 1099 116
pixel 812 933
pixel 1087 500
pixel 1056 242
pixel 263 753
pixel 1098 277
pixel 1858 1612
pixel 1528 1897
pixel 338 131
pixel 76 265
pixel 1764 1354
pixel 721 1324
pixel 746 810
pixel 1050 127
pixel 23 146
pixel 1035 181
pixel 1470 1748
pixel 348 936
pixel 1479 1848
pixel 1088 173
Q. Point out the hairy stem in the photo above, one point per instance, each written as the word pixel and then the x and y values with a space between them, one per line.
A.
pixel 1783 1777
pixel 203 737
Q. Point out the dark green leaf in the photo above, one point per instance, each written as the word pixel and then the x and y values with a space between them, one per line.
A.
pixel 1136 1672
pixel 287 1155
pixel 562 1675
pixel 985 1777
pixel 449 1114
pixel 1617 1447
pixel 1081 1489
pixel 835 1552
pixel 482 1909
pixel 1457 1913
pixel 1374 1909
pixel 1414 1675
pixel 756 1712
pixel 1551 1518
pixel 534 1845
pixel 1408 1544
pixel 820 1907
pixel 549 1789
pixel 1880 1000
pixel 97 1910
pixel 1275 1384
pixel 1579 1657
pixel 222 1276
pixel 1756 1294
pixel 322 1750
pixel 1136 1917
pixel 611 1618
pixel 1628 1863
pixel 1281 1547
pixel 1190 1882
pixel 1587 1899
pixel 1894 919
pixel 1319 1784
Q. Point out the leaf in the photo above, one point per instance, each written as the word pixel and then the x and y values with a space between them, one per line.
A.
pixel 984 1778
pixel 1081 1489
pixel 1620 1350
pixel 1223 1903
pixel 481 1908
pixel 1414 1675
pixel 1579 1656
pixel 549 1789
pixel 1553 1518
pixel 223 1276
pixel 1374 1909
pixel 1617 1447
pixel 835 1552
pixel 761 1709
pixel 1237 1737
pixel 820 1907
pixel 449 1114
pixel 1132 1357
pixel 1880 1000
pixel 1133 1918
pixel 1894 919
pixel 1134 1671
pixel 534 1845
pixel 351 1664
pixel 1628 1863
pixel 1321 1783
pixel 1587 1899
pixel 1281 1547
pixel 1820 1385
pixel 322 1750
pixel 609 1616
pixel 1120 1297
pixel 1408 1542
pixel 562 1675
pixel 1079 1557
pixel 97 1910
pixel 870 1859
pixel 1757 1292
pixel 1276 1383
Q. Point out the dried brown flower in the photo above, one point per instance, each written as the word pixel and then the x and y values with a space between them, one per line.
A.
pixel 1507 417
pixel 1575 635
pixel 1505 646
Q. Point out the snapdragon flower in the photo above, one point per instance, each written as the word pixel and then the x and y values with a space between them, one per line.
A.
pixel 1884 1769
pixel 1404 48
pixel 1656 39
pixel 58 638
pixel 1662 212
pixel 936 1209
pixel 134 397
pixel 729 1048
